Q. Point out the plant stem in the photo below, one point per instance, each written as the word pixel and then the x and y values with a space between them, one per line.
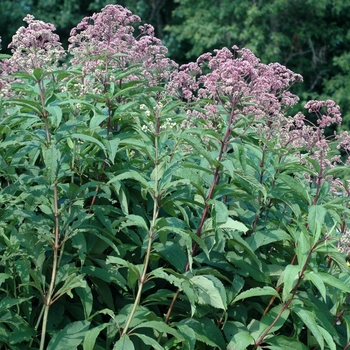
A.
pixel 48 299
pixel 287 304
pixel 216 177
pixel 143 278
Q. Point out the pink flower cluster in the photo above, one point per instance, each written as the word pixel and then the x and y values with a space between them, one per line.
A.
pixel 35 46
pixel 332 116
pixel 105 42
pixel 234 79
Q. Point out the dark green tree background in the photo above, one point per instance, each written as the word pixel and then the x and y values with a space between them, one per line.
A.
pixel 309 37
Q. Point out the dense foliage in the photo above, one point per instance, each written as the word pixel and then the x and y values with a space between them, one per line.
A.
pixel 146 205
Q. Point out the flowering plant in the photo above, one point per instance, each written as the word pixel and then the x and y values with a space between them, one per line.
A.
pixel 146 205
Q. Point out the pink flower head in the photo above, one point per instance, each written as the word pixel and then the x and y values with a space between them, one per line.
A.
pixel 35 46
pixel 105 41
pixel 332 115
pixel 235 77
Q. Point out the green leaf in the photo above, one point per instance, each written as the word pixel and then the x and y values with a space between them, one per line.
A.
pixel 206 331
pixel 240 341
pixel 220 212
pixel 317 282
pixel 237 335
pixel 124 343
pixel 97 119
pixel 308 319
pixel 70 279
pixel 328 338
pixel 231 224
pixel 51 159
pixel 316 217
pixel 91 336
pixel 276 318
pixel 160 327
pixel 38 73
pixel 296 186
pixel 290 275
pixel 135 220
pixel 303 247
pixel 88 139
pixel 4 277
pixel 210 291
pixel 86 299
pixel 261 238
pixel 334 282
pixel 189 334
pixel 149 341
pixel 56 115
pixel 31 105
pixel 281 342
pixel 7 303
pixel 112 147
pixel 70 336
pixel 131 175
pixel 256 292
pixel 21 331
pixel 173 253
pixel 198 147
pixel 252 183
pixel 229 166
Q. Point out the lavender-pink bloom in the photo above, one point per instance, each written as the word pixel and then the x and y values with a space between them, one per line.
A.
pixel 105 42
pixel 35 46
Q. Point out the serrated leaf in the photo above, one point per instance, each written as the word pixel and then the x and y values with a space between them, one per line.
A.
pixel 210 291
pixel 131 175
pixel 296 187
pixel 51 159
pixel 276 318
pixel 240 341
pixel 124 343
pixel 173 253
pixel 71 282
pixel 97 119
pixel 7 303
pixel 328 338
pixel 91 336
pixel 88 139
pixel 220 212
pixel 160 327
pixel 308 319
pixel 303 248
pixel 56 115
pixel 316 217
pixel 256 292
pixel 237 335
pixel 261 238
pixel 189 335
pixel 86 299
pixel 149 341
pixel 70 336
pixel 281 342
pixel 317 282
pixel 206 331
pixel 291 275
pixel 334 282
pixel 112 147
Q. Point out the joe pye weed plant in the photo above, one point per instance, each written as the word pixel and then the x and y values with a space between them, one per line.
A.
pixel 150 206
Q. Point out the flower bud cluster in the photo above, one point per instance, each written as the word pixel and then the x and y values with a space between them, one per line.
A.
pixel 35 46
pixel 106 42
